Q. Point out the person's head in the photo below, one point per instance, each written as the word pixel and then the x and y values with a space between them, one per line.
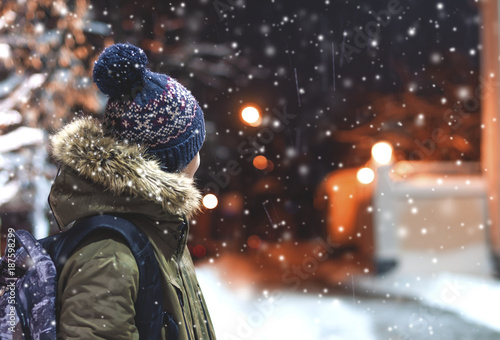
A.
pixel 149 108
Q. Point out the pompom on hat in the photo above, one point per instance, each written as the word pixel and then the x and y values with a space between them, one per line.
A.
pixel 149 108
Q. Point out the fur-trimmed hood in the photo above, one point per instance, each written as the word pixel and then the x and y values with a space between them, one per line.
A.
pixel 122 169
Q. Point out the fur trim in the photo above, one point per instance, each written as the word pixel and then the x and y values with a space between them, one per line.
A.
pixel 122 168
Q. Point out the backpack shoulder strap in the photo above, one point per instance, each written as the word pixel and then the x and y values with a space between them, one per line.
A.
pixel 148 307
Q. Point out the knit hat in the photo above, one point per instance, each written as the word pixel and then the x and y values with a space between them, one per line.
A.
pixel 148 108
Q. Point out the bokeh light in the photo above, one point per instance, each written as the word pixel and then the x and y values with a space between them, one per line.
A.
pixel 210 201
pixel 199 251
pixel 253 241
pixel 260 162
pixel 365 175
pixel 251 116
pixel 382 153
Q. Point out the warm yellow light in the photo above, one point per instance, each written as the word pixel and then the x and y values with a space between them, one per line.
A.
pixel 251 116
pixel 365 175
pixel 382 153
pixel 210 201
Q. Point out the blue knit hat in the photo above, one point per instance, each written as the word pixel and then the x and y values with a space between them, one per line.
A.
pixel 149 108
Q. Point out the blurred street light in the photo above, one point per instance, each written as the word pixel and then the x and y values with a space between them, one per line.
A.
pixel 382 153
pixel 260 162
pixel 251 116
pixel 365 175
pixel 210 201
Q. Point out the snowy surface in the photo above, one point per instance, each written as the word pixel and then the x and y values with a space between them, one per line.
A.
pixel 20 137
pixel 244 314
pixel 459 281
pixel 416 301
pixel 8 191
pixel 10 117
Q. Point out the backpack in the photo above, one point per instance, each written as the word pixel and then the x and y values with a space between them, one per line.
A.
pixel 30 271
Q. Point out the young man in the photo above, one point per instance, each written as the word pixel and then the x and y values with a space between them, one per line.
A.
pixel 138 164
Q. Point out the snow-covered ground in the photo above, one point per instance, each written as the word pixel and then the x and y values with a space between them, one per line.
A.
pixel 458 281
pixel 245 314
pixel 416 301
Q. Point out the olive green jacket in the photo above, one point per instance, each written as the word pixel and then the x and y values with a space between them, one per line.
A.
pixel 98 285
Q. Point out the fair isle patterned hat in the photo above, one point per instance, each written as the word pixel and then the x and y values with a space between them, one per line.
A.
pixel 149 108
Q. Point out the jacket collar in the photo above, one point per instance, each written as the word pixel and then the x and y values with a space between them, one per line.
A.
pixel 122 169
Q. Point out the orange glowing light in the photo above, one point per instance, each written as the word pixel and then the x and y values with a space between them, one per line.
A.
pixel 251 116
pixel 260 162
pixel 253 241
